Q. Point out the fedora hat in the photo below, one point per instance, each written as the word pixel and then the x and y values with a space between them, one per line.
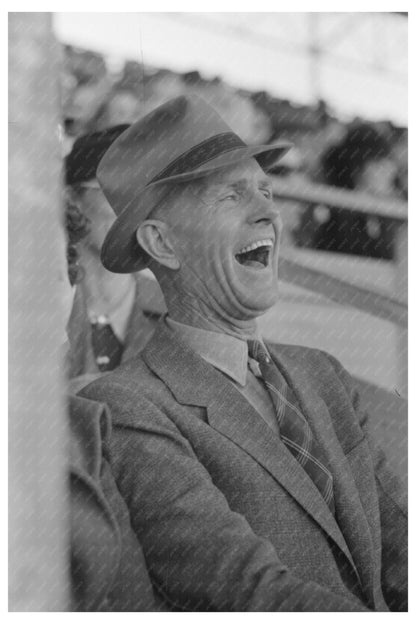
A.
pixel 181 140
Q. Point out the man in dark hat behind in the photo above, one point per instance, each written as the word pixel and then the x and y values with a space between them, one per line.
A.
pixel 113 315
pixel 249 470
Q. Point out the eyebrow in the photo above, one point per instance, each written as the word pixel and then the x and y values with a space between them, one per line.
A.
pixel 241 185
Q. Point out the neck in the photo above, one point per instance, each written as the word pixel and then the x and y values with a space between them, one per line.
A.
pixel 196 313
pixel 104 290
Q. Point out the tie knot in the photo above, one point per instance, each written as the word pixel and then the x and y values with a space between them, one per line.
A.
pixel 257 351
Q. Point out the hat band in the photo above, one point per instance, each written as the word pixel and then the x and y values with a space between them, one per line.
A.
pixel 200 154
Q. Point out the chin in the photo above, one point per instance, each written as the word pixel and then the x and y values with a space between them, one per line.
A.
pixel 261 296
pixel 256 303
pixel 248 293
pixel 264 304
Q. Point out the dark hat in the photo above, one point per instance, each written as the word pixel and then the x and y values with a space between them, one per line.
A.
pixel 82 162
pixel 181 140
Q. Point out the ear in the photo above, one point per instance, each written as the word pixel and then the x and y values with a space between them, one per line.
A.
pixel 152 236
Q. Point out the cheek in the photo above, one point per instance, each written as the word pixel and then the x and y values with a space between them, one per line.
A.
pixel 213 245
pixel 205 240
pixel 188 240
pixel 98 212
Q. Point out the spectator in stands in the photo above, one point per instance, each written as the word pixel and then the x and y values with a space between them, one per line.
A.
pixel 82 106
pixel 113 315
pixel 121 107
pixel 361 161
pixel 249 468
pixel 108 570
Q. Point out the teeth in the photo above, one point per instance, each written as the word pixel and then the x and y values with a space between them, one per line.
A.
pixel 267 242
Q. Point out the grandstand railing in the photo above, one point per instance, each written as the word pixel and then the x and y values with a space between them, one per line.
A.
pixel 358 201
pixel 341 291
pixel 392 307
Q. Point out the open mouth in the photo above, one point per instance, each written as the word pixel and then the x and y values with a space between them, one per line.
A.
pixel 256 255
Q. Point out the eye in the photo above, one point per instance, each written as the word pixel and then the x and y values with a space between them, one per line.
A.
pixel 266 192
pixel 230 196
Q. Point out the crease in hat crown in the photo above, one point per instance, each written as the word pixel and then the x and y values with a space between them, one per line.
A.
pixel 183 139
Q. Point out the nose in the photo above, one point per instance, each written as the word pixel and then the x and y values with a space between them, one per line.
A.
pixel 263 210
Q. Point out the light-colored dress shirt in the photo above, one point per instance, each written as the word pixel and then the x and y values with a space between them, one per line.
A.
pixel 229 355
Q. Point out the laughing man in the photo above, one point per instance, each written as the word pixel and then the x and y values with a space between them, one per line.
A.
pixel 252 480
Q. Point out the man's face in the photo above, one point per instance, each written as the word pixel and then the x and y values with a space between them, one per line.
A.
pixel 226 233
pixel 99 212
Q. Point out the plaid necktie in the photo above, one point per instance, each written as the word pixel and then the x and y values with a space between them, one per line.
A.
pixel 106 347
pixel 294 430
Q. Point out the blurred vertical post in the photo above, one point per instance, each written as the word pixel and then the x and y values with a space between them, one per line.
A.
pixel 37 431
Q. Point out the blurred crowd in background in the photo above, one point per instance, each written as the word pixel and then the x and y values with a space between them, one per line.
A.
pixel 354 154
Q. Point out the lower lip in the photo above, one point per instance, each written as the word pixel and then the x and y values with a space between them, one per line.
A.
pixel 254 267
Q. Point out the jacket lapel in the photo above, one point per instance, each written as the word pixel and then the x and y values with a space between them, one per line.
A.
pixel 350 512
pixel 195 382
pixel 230 414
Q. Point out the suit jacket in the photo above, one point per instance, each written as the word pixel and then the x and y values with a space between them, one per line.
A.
pixel 228 519
pixel 148 307
pixel 108 570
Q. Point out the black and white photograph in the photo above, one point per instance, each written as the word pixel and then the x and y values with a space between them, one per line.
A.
pixel 207 309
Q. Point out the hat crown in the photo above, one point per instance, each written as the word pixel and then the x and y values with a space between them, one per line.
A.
pixel 148 150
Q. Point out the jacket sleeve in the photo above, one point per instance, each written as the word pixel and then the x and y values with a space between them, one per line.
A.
pixel 201 555
pixel 108 570
pixel 392 497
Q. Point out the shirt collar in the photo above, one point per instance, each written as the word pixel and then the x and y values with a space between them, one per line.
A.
pixel 228 354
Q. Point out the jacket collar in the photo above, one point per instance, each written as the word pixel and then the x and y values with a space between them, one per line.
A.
pixel 194 382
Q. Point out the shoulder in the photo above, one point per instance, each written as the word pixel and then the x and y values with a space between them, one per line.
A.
pixel 325 372
pixel 134 394
pixel 133 378
pixel 310 359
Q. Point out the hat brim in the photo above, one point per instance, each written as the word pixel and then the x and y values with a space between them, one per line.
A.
pixel 120 252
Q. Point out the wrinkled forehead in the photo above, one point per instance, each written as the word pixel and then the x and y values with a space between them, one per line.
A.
pixel 244 173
